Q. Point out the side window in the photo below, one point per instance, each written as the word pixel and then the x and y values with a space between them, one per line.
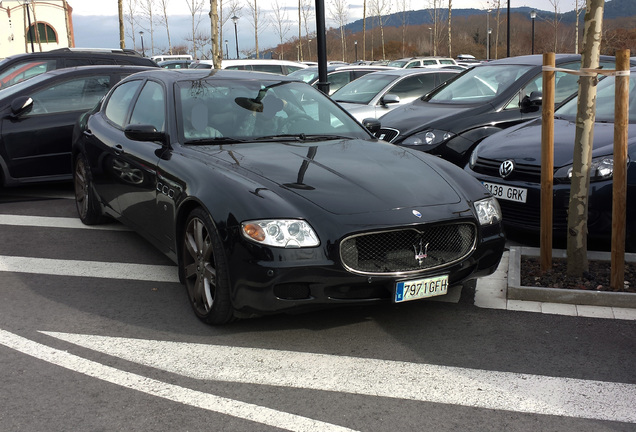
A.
pixel 77 62
pixel 118 104
pixel 337 80
pixel 150 107
pixel 277 69
pixel 77 94
pixel 25 70
pixel 413 64
pixel 429 62
pixel 414 86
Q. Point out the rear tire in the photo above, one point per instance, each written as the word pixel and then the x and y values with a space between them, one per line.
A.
pixel 205 270
pixel 86 203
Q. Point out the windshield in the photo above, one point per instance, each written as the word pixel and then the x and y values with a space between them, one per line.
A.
pixel 363 89
pixel 308 75
pixel 480 84
pixel 397 63
pixel 605 102
pixel 245 110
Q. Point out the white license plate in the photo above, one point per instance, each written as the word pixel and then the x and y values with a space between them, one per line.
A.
pixel 421 288
pixel 507 192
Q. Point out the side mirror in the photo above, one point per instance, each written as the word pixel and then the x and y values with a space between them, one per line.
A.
pixel 390 99
pixel 373 125
pixel 21 105
pixel 144 133
pixel 532 102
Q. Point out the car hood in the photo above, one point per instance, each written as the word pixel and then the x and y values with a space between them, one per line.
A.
pixel 523 143
pixel 343 176
pixel 410 117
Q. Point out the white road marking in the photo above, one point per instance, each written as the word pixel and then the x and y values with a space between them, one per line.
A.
pixel 164 390
pixel 421 382
pixel 56 222
pixel 94 269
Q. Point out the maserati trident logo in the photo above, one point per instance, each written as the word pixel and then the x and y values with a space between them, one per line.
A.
pixel 506 168
pixel 421 253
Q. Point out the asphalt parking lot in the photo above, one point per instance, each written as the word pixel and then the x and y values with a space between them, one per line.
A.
pixel 95 330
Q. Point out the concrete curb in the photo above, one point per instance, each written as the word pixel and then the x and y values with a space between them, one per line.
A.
pixel 516 291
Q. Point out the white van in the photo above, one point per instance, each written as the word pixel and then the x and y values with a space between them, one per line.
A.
pixel 159 58
pixel 283 67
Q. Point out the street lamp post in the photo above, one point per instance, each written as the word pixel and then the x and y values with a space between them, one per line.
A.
pixel 533 15
pixel 430 40
pixel 235 20
pixel 143 51
pixel 355 44
pixel 227 51
pixel 488 31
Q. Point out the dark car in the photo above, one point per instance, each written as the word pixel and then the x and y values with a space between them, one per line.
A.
pixel 452 119
pixel 272 198
pixel 20 67
pixel 509 164
pixel 37 119
pixel 337 75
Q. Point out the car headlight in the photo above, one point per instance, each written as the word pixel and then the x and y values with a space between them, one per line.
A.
pixel 488 211
pixel 285 233
pixel 431 137
pixel 473 157
pixel 602 168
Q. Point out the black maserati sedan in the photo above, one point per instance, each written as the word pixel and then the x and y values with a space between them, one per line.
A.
pixel 271 198
pixel 37 117
pixel 509 164
pixel 490 97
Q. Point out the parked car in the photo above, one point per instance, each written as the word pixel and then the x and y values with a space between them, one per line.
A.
pixel 282 67
pixel 453 118
pixel 37 119
pixel 175 64
pixel 20 67
pixel 508 163
pixel 337 75
pixel 272 198
pixel 377 93
pixel 429 61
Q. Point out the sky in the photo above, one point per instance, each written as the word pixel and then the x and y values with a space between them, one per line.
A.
pixel 98 27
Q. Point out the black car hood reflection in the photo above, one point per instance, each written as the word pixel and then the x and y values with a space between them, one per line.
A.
pixel 327 174
pixel 523 144
pixel 418 113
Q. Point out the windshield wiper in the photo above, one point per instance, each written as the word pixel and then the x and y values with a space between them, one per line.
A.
pixel 217 140
pixel 300 137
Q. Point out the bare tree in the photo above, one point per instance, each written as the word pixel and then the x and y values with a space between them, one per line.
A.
pixel 586 114
pixel 215 35
pixel 147 9
pixel 364 29
pixel 339 12
pixel 433 10
pixel 555 23
pixel 120 8
pixel 281 24
pixel 131 11
pixel 233 9
pixel 579 7
pixel 255 12
pixel 450 9
pixel 381 9
pixel 196 8
pixel 163 4
pixel 307 12
pixel 403 6
pixel 35 27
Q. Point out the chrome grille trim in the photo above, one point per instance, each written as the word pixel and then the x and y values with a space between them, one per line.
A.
pixel 393 252
pixel 387 134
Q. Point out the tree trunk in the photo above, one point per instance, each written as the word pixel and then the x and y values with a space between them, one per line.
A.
pixel 122 41
pixel 216 43
pixel 450 9
pixel 586 115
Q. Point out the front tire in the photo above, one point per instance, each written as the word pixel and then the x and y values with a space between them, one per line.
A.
pixel 85 200
pixel 204 267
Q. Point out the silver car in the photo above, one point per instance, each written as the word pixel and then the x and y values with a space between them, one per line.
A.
pixel 377 93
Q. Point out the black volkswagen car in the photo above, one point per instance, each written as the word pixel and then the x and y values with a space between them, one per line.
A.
pixel 37 119
pixel 509 164
pixel 453 118
pixel 271 198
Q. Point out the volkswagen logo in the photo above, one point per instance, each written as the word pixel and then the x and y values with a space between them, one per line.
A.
pixel 506 168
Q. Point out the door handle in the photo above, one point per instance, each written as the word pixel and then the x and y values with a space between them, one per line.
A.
pixel 118 149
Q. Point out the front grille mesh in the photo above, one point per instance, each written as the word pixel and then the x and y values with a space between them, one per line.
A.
pixel 386 134
pixel 408 250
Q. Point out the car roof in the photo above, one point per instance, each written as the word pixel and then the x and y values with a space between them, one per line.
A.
pixel 173 75
pixel 78 52
pixel 413 71
pixel 537 59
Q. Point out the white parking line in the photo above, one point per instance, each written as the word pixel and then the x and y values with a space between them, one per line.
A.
pixel 393 379
pixel 164 390
pixel 55 222
pixel 94 269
